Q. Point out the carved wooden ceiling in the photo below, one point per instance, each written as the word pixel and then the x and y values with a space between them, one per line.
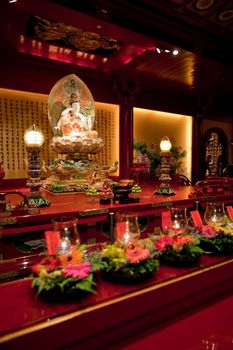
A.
pixel 125 39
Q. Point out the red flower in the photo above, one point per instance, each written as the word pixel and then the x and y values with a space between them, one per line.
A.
pixel 50 264
pixel 163 242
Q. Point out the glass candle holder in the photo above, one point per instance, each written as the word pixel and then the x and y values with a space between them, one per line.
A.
pixel 68 233
pixel 126 228
pixel 179 218
pixel 214 213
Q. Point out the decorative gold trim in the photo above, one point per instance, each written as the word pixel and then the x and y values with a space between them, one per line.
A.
pixel 78 38
pixel 8 221
pixel 71 315
pixel 93 212
pixel 162 204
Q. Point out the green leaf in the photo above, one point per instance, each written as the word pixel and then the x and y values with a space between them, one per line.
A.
pixel 86 285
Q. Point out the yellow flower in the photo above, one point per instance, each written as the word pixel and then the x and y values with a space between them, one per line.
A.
pixel 43 274
pixel 113 251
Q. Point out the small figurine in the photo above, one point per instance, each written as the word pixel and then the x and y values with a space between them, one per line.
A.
pixel 106 194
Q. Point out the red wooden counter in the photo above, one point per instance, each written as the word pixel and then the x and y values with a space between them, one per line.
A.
pixel 117 313
pixel 16 230
pixel 79 205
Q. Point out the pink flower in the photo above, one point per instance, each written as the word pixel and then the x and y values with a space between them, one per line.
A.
pixel 163 242
pixel 136 254
pixel 208 231
pixel 77 271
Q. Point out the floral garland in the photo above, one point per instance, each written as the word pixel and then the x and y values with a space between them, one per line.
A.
pixel 133 261
pixel 66 274
pixel 217 239
pixel 178 248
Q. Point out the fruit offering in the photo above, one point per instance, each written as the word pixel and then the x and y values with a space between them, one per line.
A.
pixel 93 192
pixel 136 189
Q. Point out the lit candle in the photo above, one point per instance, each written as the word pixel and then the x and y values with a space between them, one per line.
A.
pixel 64 246
pixel 176 224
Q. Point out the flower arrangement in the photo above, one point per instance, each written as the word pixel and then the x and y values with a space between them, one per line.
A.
pixel 178 248
pixel 153 154
pixel 134 261
pixel 66 274
pixel 217 239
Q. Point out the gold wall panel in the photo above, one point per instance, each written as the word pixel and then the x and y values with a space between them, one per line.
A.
pixel 19 110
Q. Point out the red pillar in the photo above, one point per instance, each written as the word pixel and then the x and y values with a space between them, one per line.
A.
pixel 196 149
pixel 126 141
pixel 127 92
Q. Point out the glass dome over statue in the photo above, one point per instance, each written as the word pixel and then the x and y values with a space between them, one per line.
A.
pixel 72 114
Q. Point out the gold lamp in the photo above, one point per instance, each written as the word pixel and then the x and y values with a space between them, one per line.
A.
pixel 164 188
pixel 34 139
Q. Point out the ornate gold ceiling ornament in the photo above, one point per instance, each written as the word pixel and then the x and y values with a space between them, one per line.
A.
pixel 204 4
pixel 226 15
pixel 81 40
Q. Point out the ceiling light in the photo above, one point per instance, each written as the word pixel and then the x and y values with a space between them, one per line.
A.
pixel 11 1
pixel 175 52
pixel 104 11
pixel 167 51
pixel 158 50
